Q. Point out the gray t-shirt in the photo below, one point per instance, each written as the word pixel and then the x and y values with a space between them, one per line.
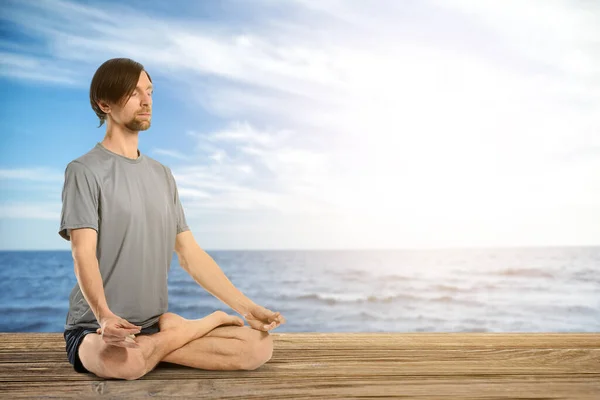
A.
pixel 134 206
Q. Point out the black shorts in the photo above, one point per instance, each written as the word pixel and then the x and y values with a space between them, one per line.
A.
pixel 74 337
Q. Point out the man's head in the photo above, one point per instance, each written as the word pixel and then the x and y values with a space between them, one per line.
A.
pixel 121 92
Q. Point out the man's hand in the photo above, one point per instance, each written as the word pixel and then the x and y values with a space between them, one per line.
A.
pixel 262 319
pixel 117 331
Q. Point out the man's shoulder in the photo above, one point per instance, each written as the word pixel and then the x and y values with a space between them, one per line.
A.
pixel 157 165
pixel 91 158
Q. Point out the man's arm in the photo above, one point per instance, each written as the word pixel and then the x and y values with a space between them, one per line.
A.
pixel 208 274
pixel 114 329
pixel 87 271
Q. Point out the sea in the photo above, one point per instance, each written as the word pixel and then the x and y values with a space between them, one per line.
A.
pixel 554 289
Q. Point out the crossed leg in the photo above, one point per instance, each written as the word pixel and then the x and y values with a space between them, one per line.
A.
pixel 225 348
pixel 202 343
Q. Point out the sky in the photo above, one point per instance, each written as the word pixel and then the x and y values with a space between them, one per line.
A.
pixel 321 125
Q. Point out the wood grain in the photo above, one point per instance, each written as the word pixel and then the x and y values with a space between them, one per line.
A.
pixel 336 366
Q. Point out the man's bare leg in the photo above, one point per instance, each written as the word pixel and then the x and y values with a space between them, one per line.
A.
pixel 108 361
pixel 225 348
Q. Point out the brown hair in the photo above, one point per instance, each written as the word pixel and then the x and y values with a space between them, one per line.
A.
pixel 114 82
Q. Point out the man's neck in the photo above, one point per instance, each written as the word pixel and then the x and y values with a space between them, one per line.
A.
pixel 123 143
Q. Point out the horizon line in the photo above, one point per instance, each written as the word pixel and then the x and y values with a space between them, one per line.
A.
pixel 437 248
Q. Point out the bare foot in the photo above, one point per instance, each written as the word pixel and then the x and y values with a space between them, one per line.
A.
pixel 205 325
pixel 199 327
pixel 226 319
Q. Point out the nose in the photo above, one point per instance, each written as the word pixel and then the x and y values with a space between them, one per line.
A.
pixel 146 99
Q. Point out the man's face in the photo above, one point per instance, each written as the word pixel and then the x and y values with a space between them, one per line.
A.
pixel 136 113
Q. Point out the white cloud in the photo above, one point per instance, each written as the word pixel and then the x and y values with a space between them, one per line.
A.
pixel 233 182
pixel 456 111
pixel 40 174
pixel 34 68
pixel 31 210
pixel 170 153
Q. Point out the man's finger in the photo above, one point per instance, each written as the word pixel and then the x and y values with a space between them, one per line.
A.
pixel 270 326
pixel 258 325
pixel 118 335
pixel 130 339
pixel 278 318
pixel 113 338
pixel 124 343
pixel 121 332
pixel 264 313
pixel 126 325
pixel 115 333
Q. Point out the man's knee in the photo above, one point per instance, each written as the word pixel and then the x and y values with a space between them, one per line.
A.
pixel 134 367
pixel 120 363
pixel 258 349
pixel 132 371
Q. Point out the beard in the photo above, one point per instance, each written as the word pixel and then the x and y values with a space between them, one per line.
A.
pixel 138 124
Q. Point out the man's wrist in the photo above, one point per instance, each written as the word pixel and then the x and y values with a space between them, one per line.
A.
pixel 105 313
pixel 243 305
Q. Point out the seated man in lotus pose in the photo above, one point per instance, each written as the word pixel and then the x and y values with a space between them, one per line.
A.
pixel 122 214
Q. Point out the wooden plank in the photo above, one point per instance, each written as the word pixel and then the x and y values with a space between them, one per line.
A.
pixel 330 388
pixel 33 372
pixel 486 360
pixel 461 341
pixel 288 364
pixel 318 341
pixel 341 365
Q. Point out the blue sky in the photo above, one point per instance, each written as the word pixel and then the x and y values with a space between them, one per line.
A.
pixel 330 124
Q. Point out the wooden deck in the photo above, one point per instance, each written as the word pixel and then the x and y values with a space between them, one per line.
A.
pixel 341 366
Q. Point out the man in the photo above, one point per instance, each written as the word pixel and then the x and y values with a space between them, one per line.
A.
pixel 122 213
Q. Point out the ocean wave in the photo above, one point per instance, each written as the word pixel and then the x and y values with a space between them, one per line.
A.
pixel 360 275
pixel 527 272
pixel 580 310
pixel 450 299
pixel 186 291
pixel 199 310
pixel 38 310
pixel 350 275
pixel 182 283
pixel 367 316
pixel 396 278
pixel 448 288
pixel 35 326
pixel 587 275
pixel 342 298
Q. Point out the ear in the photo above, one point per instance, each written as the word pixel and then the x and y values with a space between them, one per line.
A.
pixel 104 106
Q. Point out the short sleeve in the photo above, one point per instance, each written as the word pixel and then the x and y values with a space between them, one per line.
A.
pixel 80 196
pixel 182 225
